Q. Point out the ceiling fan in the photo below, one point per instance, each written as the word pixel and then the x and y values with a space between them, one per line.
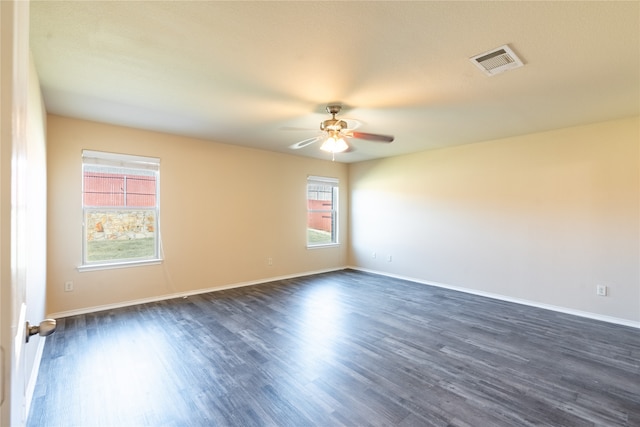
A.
pixel 334 132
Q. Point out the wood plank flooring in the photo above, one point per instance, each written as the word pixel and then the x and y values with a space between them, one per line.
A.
pixel 338 349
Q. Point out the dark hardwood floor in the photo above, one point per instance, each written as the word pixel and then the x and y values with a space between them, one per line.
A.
pixel 344 348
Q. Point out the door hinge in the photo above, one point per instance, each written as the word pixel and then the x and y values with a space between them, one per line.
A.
pixel 1 375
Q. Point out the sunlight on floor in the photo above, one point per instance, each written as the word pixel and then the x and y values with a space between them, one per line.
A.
pixel 321 328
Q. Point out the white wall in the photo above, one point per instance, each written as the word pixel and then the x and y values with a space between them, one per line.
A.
pixel 541 218
pixel 224 211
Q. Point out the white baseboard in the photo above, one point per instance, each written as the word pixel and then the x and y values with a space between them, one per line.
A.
pixel 565 310
pixel 97 308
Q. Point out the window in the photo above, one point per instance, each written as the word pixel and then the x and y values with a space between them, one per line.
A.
pixel 120 209
pixel 322 211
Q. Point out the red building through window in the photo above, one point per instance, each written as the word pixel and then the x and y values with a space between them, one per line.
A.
pixel 119 190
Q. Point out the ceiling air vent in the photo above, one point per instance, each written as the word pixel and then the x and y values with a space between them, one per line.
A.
pixel 497 60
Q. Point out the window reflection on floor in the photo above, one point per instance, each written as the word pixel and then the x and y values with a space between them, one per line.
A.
pixel 127 367
pixel 321 328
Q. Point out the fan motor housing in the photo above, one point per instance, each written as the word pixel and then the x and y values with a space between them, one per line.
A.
pixel 333 124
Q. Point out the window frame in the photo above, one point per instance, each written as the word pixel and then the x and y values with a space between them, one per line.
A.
pixel 149 166
pixel 334 211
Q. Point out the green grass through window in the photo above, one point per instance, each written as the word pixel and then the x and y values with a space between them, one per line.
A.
pixel 109 250
pixel 318 237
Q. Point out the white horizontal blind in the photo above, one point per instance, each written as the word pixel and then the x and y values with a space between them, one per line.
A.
pixel 120 160
pixel 321 180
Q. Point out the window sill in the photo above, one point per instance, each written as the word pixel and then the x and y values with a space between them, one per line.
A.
pixel 328 245
pixel 110 266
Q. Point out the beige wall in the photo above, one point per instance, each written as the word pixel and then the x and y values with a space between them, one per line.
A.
pixel 540 218
pixel 214 200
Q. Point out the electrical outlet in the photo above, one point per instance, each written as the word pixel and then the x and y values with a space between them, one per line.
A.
pixel 601 290
pixel 68 286
pixel 389 258
pixel 269 261
pixel 373 255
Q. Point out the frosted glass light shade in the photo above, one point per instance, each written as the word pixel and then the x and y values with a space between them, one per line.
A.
pixel 333 145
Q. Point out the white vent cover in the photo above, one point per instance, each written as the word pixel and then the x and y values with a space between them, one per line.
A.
pixel 497 61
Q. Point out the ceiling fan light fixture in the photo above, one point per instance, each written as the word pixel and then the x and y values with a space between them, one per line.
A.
pixel 334 131
pixel 341 146
pixel 334 145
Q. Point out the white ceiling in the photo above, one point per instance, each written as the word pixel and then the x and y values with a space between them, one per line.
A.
pixel 244 72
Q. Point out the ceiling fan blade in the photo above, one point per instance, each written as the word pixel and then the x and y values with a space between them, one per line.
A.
pixel 352 124
pixel 305 142
pixel 371 136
